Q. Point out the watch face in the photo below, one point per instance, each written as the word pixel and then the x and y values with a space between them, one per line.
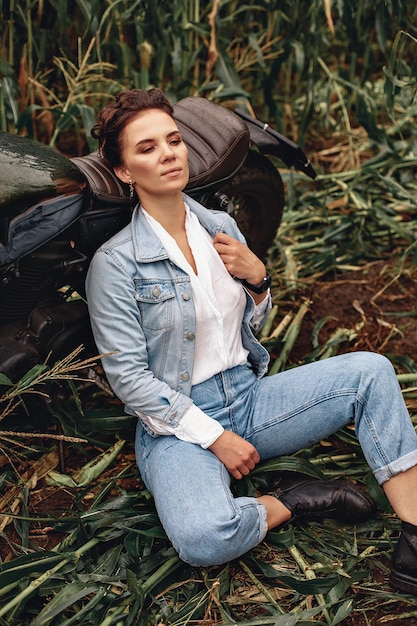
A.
pixel 265 284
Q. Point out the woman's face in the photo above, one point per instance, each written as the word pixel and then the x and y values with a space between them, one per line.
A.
pixel 154 156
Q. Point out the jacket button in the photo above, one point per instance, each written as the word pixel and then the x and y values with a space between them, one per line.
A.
pixel 190 335
pixel 185 377
pixel 156 292
pixel 186 295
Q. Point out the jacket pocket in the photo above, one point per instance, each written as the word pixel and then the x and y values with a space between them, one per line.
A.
pixel 156 302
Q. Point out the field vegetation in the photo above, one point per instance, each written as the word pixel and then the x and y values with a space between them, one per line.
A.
pixel 80 541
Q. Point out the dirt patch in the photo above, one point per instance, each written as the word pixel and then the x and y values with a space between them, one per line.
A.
pixel 377 301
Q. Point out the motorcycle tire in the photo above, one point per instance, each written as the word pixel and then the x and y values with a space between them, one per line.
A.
pixel 257 194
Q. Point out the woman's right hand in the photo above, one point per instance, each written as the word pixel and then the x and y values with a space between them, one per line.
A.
pixel 237 455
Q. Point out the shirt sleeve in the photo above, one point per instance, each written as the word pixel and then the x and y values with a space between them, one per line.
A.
pixel 261 312
pixel 194 427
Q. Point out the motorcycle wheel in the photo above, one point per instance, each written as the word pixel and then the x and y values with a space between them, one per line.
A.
pixel 257 194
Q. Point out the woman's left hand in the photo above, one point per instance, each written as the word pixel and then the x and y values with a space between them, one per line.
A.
pixel 238 259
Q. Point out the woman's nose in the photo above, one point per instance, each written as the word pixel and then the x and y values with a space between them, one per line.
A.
pixel 167 152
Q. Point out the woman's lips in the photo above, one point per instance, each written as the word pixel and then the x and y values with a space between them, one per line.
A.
pixel 172 172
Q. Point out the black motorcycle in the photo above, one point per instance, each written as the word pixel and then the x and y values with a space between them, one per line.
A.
pixel 55 212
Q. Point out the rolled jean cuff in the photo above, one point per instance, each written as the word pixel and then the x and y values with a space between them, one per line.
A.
pixel 263 522
pixel 402 464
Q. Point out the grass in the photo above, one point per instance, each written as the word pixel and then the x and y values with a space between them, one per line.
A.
pixel 108 560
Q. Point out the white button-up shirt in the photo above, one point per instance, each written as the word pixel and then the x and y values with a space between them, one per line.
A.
pixel 219 303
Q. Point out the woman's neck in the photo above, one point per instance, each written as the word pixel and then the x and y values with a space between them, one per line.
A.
pixel 171 215
pixel 169 212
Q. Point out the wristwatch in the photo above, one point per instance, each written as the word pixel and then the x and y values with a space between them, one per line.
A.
pixel 260 287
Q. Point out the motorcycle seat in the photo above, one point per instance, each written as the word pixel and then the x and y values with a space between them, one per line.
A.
pixel 217 141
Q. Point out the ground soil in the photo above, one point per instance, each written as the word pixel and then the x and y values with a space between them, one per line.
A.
pixel 377 300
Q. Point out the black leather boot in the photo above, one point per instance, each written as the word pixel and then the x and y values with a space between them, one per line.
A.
pixel 305 496
pixel 404 560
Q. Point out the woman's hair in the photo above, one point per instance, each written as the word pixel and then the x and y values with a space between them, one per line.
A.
pixel 113 118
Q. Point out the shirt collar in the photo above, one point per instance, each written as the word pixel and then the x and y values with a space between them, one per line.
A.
pixel 148 247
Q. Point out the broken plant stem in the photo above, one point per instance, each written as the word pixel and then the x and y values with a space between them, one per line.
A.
pixel 12 433
pixel 40 580
pixel 309 574
pixel 261 587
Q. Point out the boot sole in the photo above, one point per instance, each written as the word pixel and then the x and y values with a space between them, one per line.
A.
pixel 403 582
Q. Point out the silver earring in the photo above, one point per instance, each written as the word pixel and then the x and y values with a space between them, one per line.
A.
pixel 131 189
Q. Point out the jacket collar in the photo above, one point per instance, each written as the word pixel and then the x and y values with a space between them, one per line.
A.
pixel 148 247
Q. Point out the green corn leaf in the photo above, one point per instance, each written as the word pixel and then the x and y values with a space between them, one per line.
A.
pixel 69 595
pixel 289 464
pixel 313 586
pixel 343 612
pixel 90 471
pixel 27 565
pixel 5 381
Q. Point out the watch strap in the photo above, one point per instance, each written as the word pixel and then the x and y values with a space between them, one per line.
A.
pixel 260 287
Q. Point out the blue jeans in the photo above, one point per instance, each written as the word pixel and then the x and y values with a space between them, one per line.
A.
pixel 278 414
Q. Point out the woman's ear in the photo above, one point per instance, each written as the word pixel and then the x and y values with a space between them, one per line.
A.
pixel 122 173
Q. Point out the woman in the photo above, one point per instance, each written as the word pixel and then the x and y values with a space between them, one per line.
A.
pixel 176 296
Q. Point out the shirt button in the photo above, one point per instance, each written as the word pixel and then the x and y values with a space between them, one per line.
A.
pixel 190 335
pixel 156 292
pixel 186 295
pixel 185 377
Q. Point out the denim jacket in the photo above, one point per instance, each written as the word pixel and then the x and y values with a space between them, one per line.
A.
pixel 142 312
